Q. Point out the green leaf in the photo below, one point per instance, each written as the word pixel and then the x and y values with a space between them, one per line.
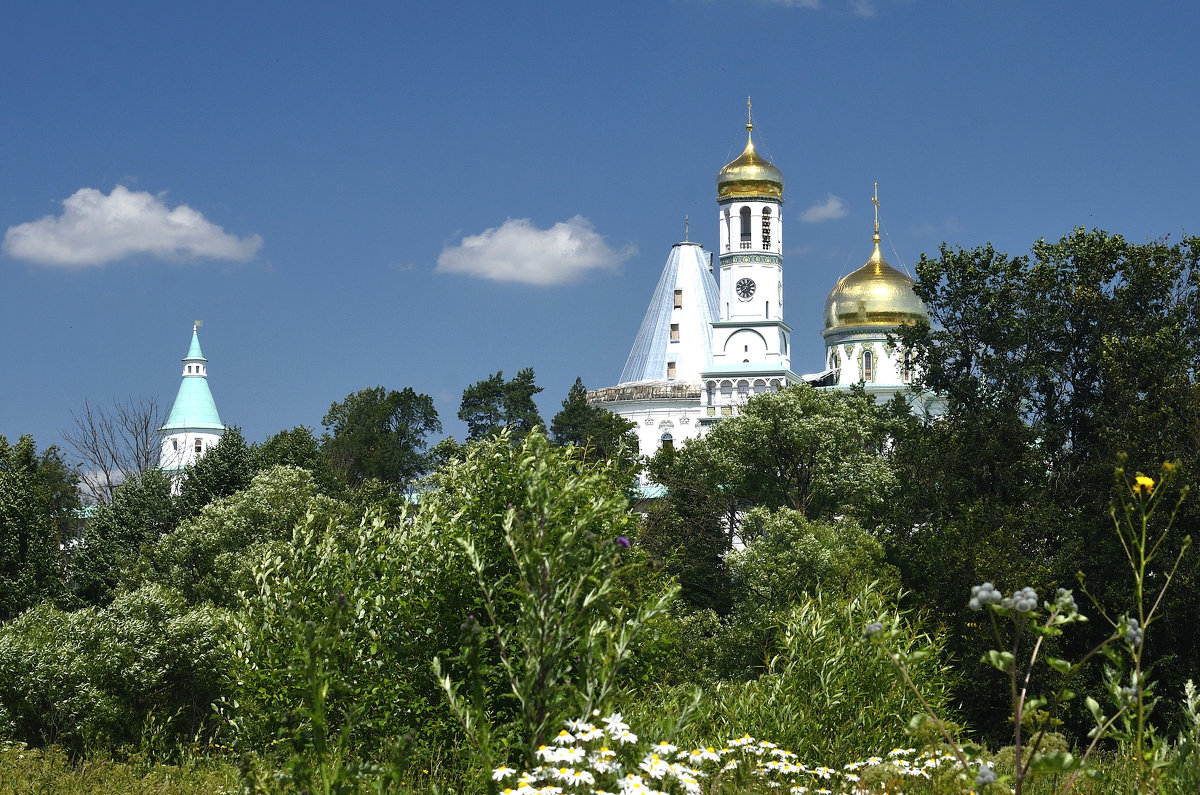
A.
pixel 1053 762
pixel 1062 666
pixel 1000 660
pixel 1094 708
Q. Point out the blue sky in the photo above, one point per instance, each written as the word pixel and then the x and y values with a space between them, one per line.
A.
pixel 419 194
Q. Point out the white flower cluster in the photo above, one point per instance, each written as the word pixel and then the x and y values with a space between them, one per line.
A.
pixel 579 760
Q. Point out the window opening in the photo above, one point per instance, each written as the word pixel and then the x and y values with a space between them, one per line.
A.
pixel 766 228
pixel 674 332
pixel 679 299
pixel 670 369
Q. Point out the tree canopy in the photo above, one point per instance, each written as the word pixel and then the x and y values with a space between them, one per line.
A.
pixel 380 433
pixel 494 403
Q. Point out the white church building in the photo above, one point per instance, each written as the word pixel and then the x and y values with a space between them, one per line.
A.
pixel 709 342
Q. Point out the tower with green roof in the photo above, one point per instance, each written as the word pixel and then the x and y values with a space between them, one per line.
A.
pixel 193 426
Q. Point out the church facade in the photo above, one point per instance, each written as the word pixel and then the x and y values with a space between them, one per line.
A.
pixel 710 341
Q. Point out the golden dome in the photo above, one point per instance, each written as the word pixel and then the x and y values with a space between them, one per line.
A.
pixel 875 294
pixel 750 174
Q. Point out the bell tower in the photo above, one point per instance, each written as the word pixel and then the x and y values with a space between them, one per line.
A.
pixel 751 343
pixel 750 220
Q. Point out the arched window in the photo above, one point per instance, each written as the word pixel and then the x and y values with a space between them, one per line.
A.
pixel 745 227
pixel 667 441
pixel 907 372
pixel 868 369
pixel 199 446
pixel 766 228
pixel 175 445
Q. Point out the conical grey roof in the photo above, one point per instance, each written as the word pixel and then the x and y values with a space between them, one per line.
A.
pixel 686 271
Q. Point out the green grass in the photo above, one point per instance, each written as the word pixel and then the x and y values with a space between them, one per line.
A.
pixel 48 771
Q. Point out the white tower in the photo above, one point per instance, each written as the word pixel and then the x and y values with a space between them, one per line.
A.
pixel 193 426
pixel 750 347
pixel 659 389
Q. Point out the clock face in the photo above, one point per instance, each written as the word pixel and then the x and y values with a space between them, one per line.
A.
pixel 745 289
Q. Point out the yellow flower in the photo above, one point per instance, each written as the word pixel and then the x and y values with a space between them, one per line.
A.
pixel 1142 485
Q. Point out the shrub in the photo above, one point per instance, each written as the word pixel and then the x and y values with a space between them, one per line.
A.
pixel 97 677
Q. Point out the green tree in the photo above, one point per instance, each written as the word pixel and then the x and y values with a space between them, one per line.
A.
pixel 223 470
pixel 379 433
pixel 210 557
pixel 38 503
pixel 297 447
pixel 494 403
pixel 1050 365
pixel 597 432
pixel 141 511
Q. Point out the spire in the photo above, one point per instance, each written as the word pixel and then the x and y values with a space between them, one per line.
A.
pixel 194 408
pixel 194 354
pixel 749 119
pixel 877 256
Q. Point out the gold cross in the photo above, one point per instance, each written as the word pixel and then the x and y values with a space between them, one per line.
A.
pixel 875 201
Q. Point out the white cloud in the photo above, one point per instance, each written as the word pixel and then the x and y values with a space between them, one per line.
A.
pixel 831 208
pixel 95 229
pixel 798 3
pixel 517 251
pixel 864 8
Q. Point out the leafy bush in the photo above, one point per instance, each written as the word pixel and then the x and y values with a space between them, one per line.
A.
pixel 384 575
pixel 209 558
pixel 97 677
pixel 821 695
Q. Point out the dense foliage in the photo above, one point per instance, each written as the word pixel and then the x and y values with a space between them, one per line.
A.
pixel 359 612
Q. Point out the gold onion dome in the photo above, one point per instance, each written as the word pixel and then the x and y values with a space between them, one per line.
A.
pixel 750 174
pixel 875 294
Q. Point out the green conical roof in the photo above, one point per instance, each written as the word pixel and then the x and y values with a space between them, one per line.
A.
pixel 194 408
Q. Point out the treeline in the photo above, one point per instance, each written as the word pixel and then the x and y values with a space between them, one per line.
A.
pixel 292 599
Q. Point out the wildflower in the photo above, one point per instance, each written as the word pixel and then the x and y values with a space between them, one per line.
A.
pixel 502 772
pixel 564 737
pixel 654 766
pixel 571 755
pixel 982 595
pixel 1133 632
pixel 623 541
pixel 665 749
pixel 823 772
pixel 874 760
pixel 985 775
pixel 626 736
pixel 1143 486
pixel 545 753
pixel 615 724
pixel 589 733
pixel 1025 600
